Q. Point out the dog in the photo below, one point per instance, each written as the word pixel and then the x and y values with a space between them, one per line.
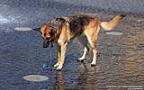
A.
pixel 84 27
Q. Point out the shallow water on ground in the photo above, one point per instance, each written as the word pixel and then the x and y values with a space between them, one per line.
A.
pixel 119 65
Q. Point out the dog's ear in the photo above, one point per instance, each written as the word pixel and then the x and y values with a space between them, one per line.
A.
pixel 59 19
pixel 37 29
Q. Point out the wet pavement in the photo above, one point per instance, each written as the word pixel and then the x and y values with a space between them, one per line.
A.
pixel 120 61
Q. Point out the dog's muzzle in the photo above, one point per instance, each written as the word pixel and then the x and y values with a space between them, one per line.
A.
pixel 45 43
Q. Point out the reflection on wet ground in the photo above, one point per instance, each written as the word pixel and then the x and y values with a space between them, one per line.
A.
pixel 120 61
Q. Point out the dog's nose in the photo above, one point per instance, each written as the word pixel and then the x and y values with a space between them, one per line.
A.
pixel 45 44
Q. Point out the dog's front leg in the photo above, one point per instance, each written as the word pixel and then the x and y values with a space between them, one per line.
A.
pixel 58 57
pixel 62 58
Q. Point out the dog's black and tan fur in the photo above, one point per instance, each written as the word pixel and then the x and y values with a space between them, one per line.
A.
pixel 83 27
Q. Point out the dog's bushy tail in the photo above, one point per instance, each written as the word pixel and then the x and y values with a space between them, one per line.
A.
pixel 113 23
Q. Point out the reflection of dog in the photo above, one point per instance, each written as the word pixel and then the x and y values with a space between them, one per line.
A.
pixel 83 27
pixel 59 81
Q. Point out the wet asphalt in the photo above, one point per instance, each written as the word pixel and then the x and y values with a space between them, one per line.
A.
pixel 120 60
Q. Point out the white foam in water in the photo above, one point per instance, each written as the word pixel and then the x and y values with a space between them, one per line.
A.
pixel 36 78
pixel 23 29
pixel 114 33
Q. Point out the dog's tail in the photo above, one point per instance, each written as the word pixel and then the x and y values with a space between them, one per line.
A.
pixel 113 23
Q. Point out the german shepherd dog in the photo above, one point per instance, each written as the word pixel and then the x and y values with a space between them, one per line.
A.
pixel 83 27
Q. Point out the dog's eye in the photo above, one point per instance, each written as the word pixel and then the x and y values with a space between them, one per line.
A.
pixel 52 33
pixel 44 34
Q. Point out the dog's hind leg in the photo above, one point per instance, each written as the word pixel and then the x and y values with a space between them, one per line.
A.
pixel 92 41
pixel 94 56
pixel 91 35
pixel 86 49
pixel 84 42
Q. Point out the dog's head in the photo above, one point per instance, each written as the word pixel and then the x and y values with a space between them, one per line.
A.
pixel 50 31
pixel 47 33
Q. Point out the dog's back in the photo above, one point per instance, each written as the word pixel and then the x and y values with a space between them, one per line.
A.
pixel 78 23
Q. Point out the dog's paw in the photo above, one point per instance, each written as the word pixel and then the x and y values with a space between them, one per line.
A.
pixel 56 65
pixel 81 59
pixel 59 67
pixel 93 64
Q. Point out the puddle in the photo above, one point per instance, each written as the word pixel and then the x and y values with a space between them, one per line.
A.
pixel 114 33
pixel 36 78
pixel 23 29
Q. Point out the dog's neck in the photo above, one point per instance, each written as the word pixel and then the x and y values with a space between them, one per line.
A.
pixel 56 24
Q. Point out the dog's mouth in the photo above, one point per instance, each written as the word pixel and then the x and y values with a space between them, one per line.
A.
pixel 46 44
